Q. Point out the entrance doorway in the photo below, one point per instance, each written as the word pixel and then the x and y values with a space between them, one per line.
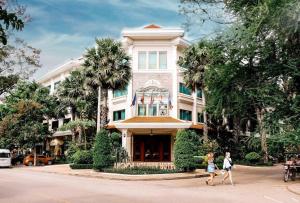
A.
pixel 154 148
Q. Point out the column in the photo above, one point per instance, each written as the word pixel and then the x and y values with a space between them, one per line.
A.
pixel 194 113
pixel 174 91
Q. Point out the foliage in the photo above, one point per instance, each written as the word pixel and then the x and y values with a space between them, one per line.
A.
pixel 27 107
pixel 81 166
pixel 253 157
pixel 193 64
pixel 121 155
pixel 253 74
pixel 9 20
pixel 74 94
pixel 219 161
pixel 72 149
pixel 17 58
pixel 108 68
pixel 82 157
pixel 140 170
pixel 208 146
pixel 185 149
pixel 102 156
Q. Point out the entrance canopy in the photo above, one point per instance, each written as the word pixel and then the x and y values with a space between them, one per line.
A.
pixel 153 122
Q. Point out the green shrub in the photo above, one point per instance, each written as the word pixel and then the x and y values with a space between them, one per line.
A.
pixel 252 157
pixel 208 146
pixel 140 170
pixel 72 149
pixel 102 156
pixel 81 166
pixel 219 161
pixel 185 150
pixel 82 157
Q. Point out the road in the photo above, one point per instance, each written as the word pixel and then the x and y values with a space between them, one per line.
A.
pixel 256 185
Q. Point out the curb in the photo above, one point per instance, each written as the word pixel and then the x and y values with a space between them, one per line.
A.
pixel 127 177
pixel 292 190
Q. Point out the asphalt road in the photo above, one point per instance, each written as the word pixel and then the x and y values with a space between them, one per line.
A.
pixel 257 185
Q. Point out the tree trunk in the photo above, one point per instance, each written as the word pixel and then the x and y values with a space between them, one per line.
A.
pixel 34 155
pixel 205 128
pixel 263 133
pixel 236 128
pixel 99 109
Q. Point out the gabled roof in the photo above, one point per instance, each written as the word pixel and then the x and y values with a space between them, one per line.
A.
pixel 152 26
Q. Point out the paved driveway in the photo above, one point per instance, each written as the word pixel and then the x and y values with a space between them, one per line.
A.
pixel 253 185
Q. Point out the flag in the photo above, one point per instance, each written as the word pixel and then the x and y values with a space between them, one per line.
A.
pixel 170 102
pixel 133 100
pixel 151 100
pixel 142 99
pixel 161 100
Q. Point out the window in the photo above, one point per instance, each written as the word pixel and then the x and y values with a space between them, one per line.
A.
pixel 152 60
pixel 162 60
pixel 120 93
pixel 56 84
pixel 142 110
pixel 119 115
pixel 152 111
pixel 183 89
pixel 200 118
pixel 67 120
pixel 185 115
pixel 54 125
pixel 142 64
pixel 199 94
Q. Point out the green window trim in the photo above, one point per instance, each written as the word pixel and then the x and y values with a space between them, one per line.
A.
pixel 185 115
pixel 119 115
pixel 120 93
pixel 200 118
pixel 184 90
pixel 199 94
pixel 142 110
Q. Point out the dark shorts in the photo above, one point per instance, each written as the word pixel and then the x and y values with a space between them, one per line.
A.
pixel 228 169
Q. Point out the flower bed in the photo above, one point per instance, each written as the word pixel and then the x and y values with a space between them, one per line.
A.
pixel 140 170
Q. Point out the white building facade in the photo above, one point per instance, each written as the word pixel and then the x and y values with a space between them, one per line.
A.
pixel 155 104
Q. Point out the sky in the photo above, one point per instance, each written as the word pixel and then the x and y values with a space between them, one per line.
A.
pixel 63 29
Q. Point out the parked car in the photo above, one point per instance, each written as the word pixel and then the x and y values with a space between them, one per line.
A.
pixel 5 158
pixel 40 160
pixel 17 159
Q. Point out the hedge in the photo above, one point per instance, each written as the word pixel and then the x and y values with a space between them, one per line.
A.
pixel 81 166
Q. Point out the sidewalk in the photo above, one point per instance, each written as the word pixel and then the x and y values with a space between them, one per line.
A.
pixel 64 169
pixel 294 188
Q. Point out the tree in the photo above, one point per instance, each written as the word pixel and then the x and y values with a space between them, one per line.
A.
pixel 255 68
pixel 193 62
pixel 26 107
pixel 80 125
pixel 18 60
pixel 185 148
pixel 73 93
pixel 9 20
pixel 102 157
pixel 108 68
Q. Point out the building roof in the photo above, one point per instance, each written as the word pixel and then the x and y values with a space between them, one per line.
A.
pixel 69 66
pixel 152 119
pixel 153 31
pixel 197 126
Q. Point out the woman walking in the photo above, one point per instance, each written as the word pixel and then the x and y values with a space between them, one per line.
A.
pixel 227 166
pixel 211 169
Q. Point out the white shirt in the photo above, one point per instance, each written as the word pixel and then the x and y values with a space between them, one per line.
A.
pixel 226 163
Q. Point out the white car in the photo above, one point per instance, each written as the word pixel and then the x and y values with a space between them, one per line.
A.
pixel 5 158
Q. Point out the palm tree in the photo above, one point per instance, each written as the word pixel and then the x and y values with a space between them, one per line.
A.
pixel 193 63
pixel 107 68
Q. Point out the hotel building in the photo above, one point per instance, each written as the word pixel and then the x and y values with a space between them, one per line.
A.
pixel 155 104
